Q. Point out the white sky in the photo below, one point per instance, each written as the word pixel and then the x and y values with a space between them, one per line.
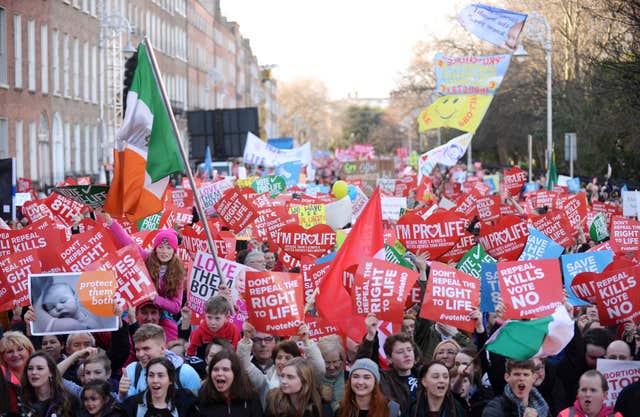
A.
pixel 352 45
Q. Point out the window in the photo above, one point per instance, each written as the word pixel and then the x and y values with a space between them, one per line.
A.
pixel 33 151
pixel 94 151
pixel 44 58
pixel 17 49
pixel 31 54
pixel 85 71
pixel 92 7
pixel 94 74
pixel 55 60
pixel 85 6
pixel 87 150
pixel 65 63
pixel 3 46
pixel 19 149
pixel 67 147
pixel 4 138
pixel 76 68
pixel 76 148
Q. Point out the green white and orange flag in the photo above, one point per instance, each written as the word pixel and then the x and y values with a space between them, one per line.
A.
pixel 146 148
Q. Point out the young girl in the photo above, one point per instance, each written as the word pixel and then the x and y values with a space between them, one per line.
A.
pixel 362 396
pixel 98 402
pixel 434 397
pixel 165 268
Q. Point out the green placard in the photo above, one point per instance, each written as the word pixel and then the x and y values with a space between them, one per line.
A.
pixel 272 184
pixel 90 195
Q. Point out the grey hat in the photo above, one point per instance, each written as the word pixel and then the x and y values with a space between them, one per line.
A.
pixel 368 365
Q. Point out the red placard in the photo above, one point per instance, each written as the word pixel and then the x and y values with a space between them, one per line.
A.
pixel 134 282
pixel 63 208
pixel 618 296
pixel 575 207
pixel 25 185
pixel 556 226
pixel 505 240
pixel 298 241
pixel 542 198
pixel 270 221
pixel 452 190
pixel 625 233
pixel 287 260
pixel 514 180
pixel 450 296
pixel 489 208
pixel 382 288
pixel 459 249
pixel 466 204
pixel 436 235
pixel 194 239
pixel 35 210
pixel 530 289
pixel 275 302
pixel 15 270
pixel 179 197
pixel 583 286
pixel 234 209
pixel 84 249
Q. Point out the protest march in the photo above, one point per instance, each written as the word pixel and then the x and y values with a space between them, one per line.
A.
pixel 317 284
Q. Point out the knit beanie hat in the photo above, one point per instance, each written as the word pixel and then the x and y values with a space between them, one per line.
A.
pixel 368 365
pixel 167 236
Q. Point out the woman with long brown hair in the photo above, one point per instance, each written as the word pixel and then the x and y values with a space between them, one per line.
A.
pixel 434 396
pixel 363 396
pixel 43 392
pixel 297 395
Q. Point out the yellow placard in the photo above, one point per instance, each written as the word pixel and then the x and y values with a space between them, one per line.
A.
pixel 462 112
pixel 310 215
pixel 246 182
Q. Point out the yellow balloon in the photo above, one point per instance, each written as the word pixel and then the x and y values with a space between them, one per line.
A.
pixel 340 189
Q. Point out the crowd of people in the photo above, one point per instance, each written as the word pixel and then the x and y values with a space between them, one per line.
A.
pixel 157 364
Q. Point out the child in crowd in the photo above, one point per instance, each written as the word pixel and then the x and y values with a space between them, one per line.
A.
pixel 215 324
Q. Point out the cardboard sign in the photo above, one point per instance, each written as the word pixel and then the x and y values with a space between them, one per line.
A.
pixel 435 235
pixel 84 249
pixel 530 289
pixel 64 209
pixel 15 270
pixel 618 296
pixel 471 262
pixel 575 207
pixel 542 198
pixel 630 203
pixel 275 302
pixel 464 245
pixel 576 263
pixel 392 206
pixel 212 193
pixel 514 180
pixel 312 277
pixel 489 208
pixel 194 239
pixel 298 241
pixel 368 172
pixel 319 327
pixel 150 222
pixel 134 284
pixel 598 229
pixel 556 226
pixel 234 209
pixel 466 204
pixel 93 293
pixel 89 195
pixel 381 287
pixel 204 280
pixel 506 239
pixel 309 215
pixel 489 287
pixel 450 296
pixel 270 221
pixel 626 233
pixel 35 210
pixel 618 374
pixel 540 246
pixel 272 184
pixel 179 197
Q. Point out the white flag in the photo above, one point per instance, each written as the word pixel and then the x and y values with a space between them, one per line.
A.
pixel 448 154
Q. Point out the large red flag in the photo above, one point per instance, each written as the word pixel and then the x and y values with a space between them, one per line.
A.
pixel 365 239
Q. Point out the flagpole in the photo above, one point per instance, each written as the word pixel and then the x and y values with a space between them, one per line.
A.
pixel 183 153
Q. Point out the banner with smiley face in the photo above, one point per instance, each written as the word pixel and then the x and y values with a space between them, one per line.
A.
pixel 462 112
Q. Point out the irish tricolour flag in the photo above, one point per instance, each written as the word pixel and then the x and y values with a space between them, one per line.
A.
pixel 147 148
pixel 538 338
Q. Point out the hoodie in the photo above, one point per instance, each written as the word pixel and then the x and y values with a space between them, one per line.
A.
pixel 604 411
pixel 203 335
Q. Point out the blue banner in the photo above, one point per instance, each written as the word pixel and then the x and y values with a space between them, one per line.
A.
pixel 539 246
pixel 497 26
pixel 573 185
pixel 531 186
pixel 290 171
pixel 281 143
pixel 576 263
pixel 313 189
pixel 489 287
pixel 470 74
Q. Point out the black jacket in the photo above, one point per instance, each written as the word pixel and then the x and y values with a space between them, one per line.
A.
pixel 111 410
pixel 629 399
pixel 237 408
pixel 185 403
pixel 450 407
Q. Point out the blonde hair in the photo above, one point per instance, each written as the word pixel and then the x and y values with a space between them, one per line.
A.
pixel 11 339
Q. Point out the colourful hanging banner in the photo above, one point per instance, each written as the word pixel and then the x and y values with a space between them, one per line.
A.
pixel 470 74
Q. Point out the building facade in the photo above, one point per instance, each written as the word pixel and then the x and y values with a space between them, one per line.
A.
pixel 61 69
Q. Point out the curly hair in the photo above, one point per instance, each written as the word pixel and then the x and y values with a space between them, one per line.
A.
pixel 59 394
pixel 173 277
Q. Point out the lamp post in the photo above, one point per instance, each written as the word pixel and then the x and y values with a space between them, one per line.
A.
pixel 538 29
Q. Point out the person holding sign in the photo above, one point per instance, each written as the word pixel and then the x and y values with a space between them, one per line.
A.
pixel 227 390
pixel 591 395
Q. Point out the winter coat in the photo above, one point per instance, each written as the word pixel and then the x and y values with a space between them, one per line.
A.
pixel 186 404
pixel 237 408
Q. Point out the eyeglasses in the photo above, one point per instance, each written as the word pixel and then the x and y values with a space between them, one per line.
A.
pixel 266 339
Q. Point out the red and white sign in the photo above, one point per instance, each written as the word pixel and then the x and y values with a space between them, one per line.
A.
pixel 234 209
pixel 382 288
pixel 618 374
pixel 270 221
pixel 575 207
pixel 84 249
pixel 298 241
pixel 275 302
pixel 450 296
pixel 514 180
pixel 489 208
pixel 319 327
pixel 14 272
pixel 459 249
pixel 618 296
pixel 64 209
pixel 435 235
pixel 194 239
pixel 134 282
pixel 556 226
pixel 530 289
pixel 542 198
pixel 180 197
pixel 626 233
pixel 505 240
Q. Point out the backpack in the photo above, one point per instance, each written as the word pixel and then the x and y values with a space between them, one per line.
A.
pixel 138 372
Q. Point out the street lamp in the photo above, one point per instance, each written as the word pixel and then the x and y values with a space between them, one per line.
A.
pixel 538 29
